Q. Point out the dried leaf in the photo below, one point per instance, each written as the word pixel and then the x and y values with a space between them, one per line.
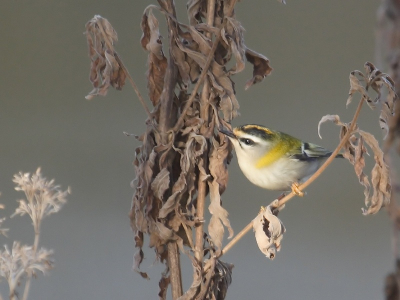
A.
pixel 163 285
pixel 332 118
pixel 105 69
pixel 219 217
pixel 219 158
pixel 269 230
pixel 161 183
pixel 232 34
pixel 356 86
pixel 157 62
pixel 359 164
pixel 261 67
pixel 222 279
pixel 380 177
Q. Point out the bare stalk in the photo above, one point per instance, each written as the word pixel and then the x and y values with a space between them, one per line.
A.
pixel 35 247
pixel 202 184
pixel 175 276
pixel 134 86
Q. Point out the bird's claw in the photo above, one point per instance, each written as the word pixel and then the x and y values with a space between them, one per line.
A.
pixel 296 189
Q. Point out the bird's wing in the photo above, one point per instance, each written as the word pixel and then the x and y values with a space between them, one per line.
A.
pixel 309 151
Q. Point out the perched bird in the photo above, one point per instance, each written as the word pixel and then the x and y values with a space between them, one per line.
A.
pixel 275 160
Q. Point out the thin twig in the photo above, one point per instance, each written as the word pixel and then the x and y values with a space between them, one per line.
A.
pixel 119 60
pixel 146 108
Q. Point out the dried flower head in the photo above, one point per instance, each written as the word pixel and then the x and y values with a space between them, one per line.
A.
pixel 22 260
pixel 43 197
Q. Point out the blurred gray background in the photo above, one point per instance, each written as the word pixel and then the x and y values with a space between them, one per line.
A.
pixel 330 251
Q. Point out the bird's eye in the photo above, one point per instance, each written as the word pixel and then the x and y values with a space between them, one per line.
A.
pixel 247 142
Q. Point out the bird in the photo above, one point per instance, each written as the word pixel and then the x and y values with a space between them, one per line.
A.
pixel 275 160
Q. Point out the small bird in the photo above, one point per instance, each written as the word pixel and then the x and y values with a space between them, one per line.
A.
pixel 275 160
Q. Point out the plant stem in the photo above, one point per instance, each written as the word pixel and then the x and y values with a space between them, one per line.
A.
pixel 202 185
pixel 133 85
pixel 28 280
pixel 168 116
pixel 175 276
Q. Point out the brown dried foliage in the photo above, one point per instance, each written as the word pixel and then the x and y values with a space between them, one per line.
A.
pixel 173 159
pixel 105 68
pixel 354 149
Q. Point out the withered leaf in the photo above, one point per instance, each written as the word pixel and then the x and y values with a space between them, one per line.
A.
pixel 157 62
pixel 359 164
pixel 380 177
pixel 161 183
pixel 332 118
pixel 138 258
pixel 151 38
pixel 261 67
pixel 356 86
pixel 232 34
pixel 219 158
pixel 269 229
pixel 219 216
pixel 163 285
pixel 105 69
pixel 222 279
pixel 169 205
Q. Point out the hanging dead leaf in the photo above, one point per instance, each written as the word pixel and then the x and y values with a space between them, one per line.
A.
pixel 380 177
pixel 269 230
pixel 219 217
pixel 261 67
pixel 105 69
pixel 332 118
pixel 157 62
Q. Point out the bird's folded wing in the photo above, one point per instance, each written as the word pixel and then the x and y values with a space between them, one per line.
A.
pixel 309 151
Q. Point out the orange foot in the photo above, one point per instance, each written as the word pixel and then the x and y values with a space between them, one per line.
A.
pixel 296 190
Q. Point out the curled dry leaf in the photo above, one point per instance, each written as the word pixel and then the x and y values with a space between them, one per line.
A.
pixel 356 86
pixel 261 67
pixel 380 177
pixel 157 62
pixel 269 229
pixel 332 118
pixel 219 217
pixel 375 79
pixel 105 69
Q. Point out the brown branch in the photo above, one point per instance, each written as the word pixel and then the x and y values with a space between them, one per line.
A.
pixel 202 186
pixel 175 276
pixel 146 108
pixel 166 119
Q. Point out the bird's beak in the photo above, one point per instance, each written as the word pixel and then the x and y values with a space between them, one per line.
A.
pixel 227 133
